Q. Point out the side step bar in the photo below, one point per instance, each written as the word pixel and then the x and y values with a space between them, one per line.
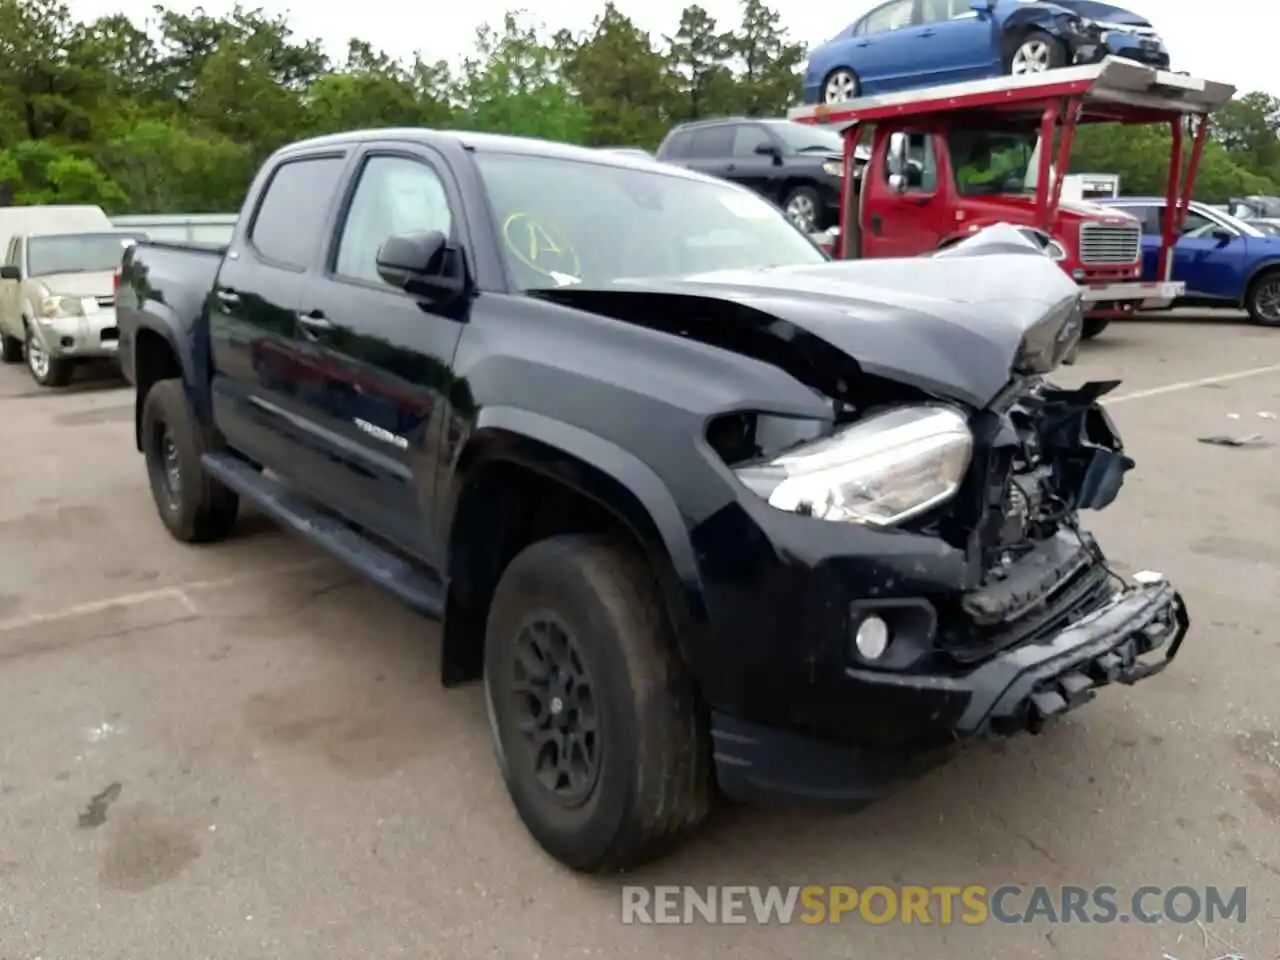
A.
pixel 419 589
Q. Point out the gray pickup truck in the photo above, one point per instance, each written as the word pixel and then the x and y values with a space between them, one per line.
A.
pixel 57 300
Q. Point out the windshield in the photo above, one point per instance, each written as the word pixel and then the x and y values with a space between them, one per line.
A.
pixel 1245 229
pixel 564 222
pixel 803 138
pixel 989 162
pixel 77 252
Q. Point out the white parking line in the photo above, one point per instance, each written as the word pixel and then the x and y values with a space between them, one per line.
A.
pixel 1192 384
pixel 179 592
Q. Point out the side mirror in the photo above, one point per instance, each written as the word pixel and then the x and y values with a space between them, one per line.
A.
pixel 1222 236
pixel 897 183
pixel 769 150
pixel 981 7
pixel 420 263
pixel 10 271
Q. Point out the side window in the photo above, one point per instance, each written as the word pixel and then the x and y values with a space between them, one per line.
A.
pixel 1194 221
pixel 1149 217
pixel 11 255
pixel 892 16
pixel 678 144
pixel 922 162
pixel 747 137
pixel 394 195
pixel 294 208
pixel 712 142
pixel 935 11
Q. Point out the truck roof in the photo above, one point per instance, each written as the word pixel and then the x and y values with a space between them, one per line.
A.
pixel 495 143
pixel 1115 89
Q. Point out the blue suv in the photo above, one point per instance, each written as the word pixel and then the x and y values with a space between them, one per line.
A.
pixel 1224 261
pixel 904 44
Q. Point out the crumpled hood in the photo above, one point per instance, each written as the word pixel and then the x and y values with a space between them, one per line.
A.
pixel 97 284
pixel 952 324
pixel 1106 12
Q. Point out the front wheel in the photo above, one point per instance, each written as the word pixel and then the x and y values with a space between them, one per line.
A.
pixel 1037 52
pixel 46 370
pixel 597 727
pixel 195 507
pixel 10 349
pixel 1263 299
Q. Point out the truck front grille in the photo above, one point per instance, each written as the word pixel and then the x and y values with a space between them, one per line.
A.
pixel 1103 243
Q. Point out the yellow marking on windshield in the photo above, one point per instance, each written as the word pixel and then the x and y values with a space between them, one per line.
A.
pixel 539 246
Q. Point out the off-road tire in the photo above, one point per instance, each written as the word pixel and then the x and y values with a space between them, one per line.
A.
pixel 60 370
pixel 203 509
pixel 1251 297
pixel 655 782
pixel 1093 326
pixel 10 349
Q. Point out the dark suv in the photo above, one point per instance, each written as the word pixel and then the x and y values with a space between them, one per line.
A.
pixel 798 167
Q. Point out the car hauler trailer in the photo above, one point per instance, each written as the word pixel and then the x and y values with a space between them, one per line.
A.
pixel 914 197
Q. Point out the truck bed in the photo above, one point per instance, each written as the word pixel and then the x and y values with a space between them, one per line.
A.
pixel 168 278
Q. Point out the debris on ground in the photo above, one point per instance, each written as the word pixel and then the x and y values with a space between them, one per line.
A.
pixel 1253 440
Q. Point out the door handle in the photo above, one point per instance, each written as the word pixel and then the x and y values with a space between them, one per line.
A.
pixel 925 33
pixel 731 167
pixel 228 297
pixel 875 224
pixel 314 322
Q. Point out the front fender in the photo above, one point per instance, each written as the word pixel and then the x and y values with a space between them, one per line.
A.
pixel 603 471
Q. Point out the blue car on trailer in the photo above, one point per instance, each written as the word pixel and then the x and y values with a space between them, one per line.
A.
pixel 903 44
pixel 1224 261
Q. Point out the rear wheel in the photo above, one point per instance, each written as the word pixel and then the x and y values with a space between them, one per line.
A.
pixel 1036 52
pixel 1263 299
pixel 1093 326
pixel 596 725
pixel 803 207
pixel 841 85
pixel 194 507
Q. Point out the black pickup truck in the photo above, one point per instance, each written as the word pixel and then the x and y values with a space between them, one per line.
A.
pixel 704 509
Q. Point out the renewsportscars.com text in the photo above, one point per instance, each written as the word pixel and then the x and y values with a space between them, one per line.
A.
pixel 970 905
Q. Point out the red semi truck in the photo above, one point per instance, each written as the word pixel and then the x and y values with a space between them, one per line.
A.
pixel 949 160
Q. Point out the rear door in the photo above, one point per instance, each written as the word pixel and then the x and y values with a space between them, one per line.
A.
pixel 884 49
pixel 260 384
pixel 710 150
pixel 383 356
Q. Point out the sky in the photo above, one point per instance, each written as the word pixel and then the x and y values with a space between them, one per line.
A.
pixel 1213 40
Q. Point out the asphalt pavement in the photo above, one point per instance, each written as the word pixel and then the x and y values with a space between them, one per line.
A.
pixel 243 751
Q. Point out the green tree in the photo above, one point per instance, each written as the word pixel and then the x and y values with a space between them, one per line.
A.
pixel 513 84
pixel 699 54
pixel 769 62
pixel 621 79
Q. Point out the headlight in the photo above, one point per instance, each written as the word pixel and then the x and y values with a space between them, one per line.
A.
pixel 1051 338
pixel 833 168
pixel 884 470
pixel 61 307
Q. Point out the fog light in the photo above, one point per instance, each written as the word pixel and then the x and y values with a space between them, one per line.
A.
pixel 872 638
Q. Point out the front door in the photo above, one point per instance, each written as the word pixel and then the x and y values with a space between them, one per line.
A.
pixel 952 42
pixel 761 172
pixel 383 355
pixel 905 224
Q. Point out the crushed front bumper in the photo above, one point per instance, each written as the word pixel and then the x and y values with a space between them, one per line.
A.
pixel 1020 690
